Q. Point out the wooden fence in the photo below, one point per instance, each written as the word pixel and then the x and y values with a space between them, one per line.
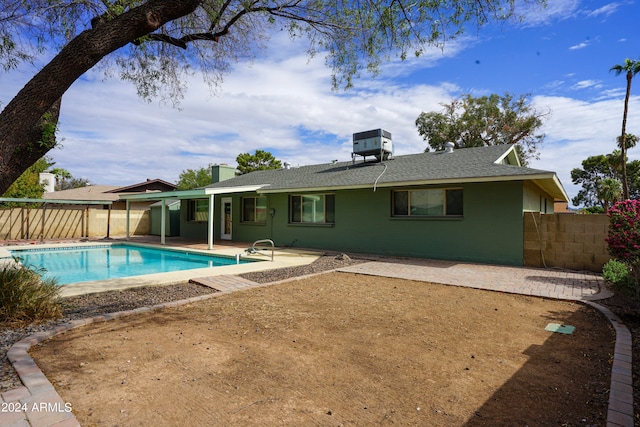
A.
pixel 574 242
pixel 69 223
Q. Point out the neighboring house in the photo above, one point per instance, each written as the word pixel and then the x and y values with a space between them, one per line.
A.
pixel 112 193
pixel 563 207
pixel 465 205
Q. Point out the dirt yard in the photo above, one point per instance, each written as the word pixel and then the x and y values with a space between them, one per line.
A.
pixel 340 349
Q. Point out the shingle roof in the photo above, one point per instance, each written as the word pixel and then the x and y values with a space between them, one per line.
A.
pixel 90 192
pixel 463 165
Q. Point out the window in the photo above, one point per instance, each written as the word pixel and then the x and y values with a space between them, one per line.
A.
pixel 312 209
pixel 198 210
pixel 427 203
pixel 254 209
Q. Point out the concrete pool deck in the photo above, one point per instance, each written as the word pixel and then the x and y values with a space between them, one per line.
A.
pixel 282 258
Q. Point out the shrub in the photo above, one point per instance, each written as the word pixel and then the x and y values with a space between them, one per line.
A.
pixel 624 235
pixel 26 297
pixel 617 273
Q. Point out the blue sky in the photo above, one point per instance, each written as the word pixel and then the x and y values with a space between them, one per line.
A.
pixel 283 102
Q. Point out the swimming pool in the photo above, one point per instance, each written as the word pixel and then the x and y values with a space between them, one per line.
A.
pixel 87 263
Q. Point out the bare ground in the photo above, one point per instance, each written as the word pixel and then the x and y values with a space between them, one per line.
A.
pixel 340 349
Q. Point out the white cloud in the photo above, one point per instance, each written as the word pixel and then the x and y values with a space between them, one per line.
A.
pixel 605 10
pixel 587 84
pixel 557 9
pixel 579 46
pixel 284 106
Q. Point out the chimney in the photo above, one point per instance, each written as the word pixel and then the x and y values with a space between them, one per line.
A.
pixel 222 173
pixel 48 181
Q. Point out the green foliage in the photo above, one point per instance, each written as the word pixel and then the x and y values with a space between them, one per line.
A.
pixel 260 160
pixel 617 274
pixel 624 231
pixel 596 172
pixel 25 297
pixel 49 126
pixel 28 184
pixel 593 210
pixel 484 121
pixel 194 178
pixel 624 236
pixel 609 191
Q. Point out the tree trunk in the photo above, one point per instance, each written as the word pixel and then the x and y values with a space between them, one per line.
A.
pixel 20 121
pixel 623 139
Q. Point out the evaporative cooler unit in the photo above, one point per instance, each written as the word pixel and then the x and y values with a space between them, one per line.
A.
pixel 375 142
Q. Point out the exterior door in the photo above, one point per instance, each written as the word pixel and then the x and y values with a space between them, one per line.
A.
pixel 225 219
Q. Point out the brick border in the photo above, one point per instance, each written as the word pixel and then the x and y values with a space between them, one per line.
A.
pixel 620 412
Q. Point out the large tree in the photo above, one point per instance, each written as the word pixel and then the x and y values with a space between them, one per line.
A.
pixel 154 42
pixel 630 68
pixel 28 185
pixel 483 121
pixel 597 178
pixel 259 160
pixel 194 178
pixel 66 181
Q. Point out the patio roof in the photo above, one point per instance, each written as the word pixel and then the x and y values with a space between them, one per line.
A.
pixel 55 201
pixel 190 194
pixel 198 193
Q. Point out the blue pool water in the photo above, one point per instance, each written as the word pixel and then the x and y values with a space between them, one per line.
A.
pixel 81 264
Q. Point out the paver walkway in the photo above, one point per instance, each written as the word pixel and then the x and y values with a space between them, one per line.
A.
pixel 551 283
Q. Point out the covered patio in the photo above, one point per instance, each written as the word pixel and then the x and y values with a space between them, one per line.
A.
pixel 202 193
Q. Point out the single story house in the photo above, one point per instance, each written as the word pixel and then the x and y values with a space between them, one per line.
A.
pixel 464 204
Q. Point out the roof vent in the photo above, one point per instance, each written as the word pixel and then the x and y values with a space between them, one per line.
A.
pixel 448 147
pixel 287 165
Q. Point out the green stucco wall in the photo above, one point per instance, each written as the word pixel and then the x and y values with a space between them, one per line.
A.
pixel 490 231
pixel 172 220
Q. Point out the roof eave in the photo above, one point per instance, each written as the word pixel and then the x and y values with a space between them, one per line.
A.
pixel 554 187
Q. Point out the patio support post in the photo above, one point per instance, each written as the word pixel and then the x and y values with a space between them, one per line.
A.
pixel 163 222
pixel 128 221
pixel 210 223
pixel 108 221
pixel 44 211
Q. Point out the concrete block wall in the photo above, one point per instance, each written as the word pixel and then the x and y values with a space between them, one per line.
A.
pixel 139 223
pixel 574 242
